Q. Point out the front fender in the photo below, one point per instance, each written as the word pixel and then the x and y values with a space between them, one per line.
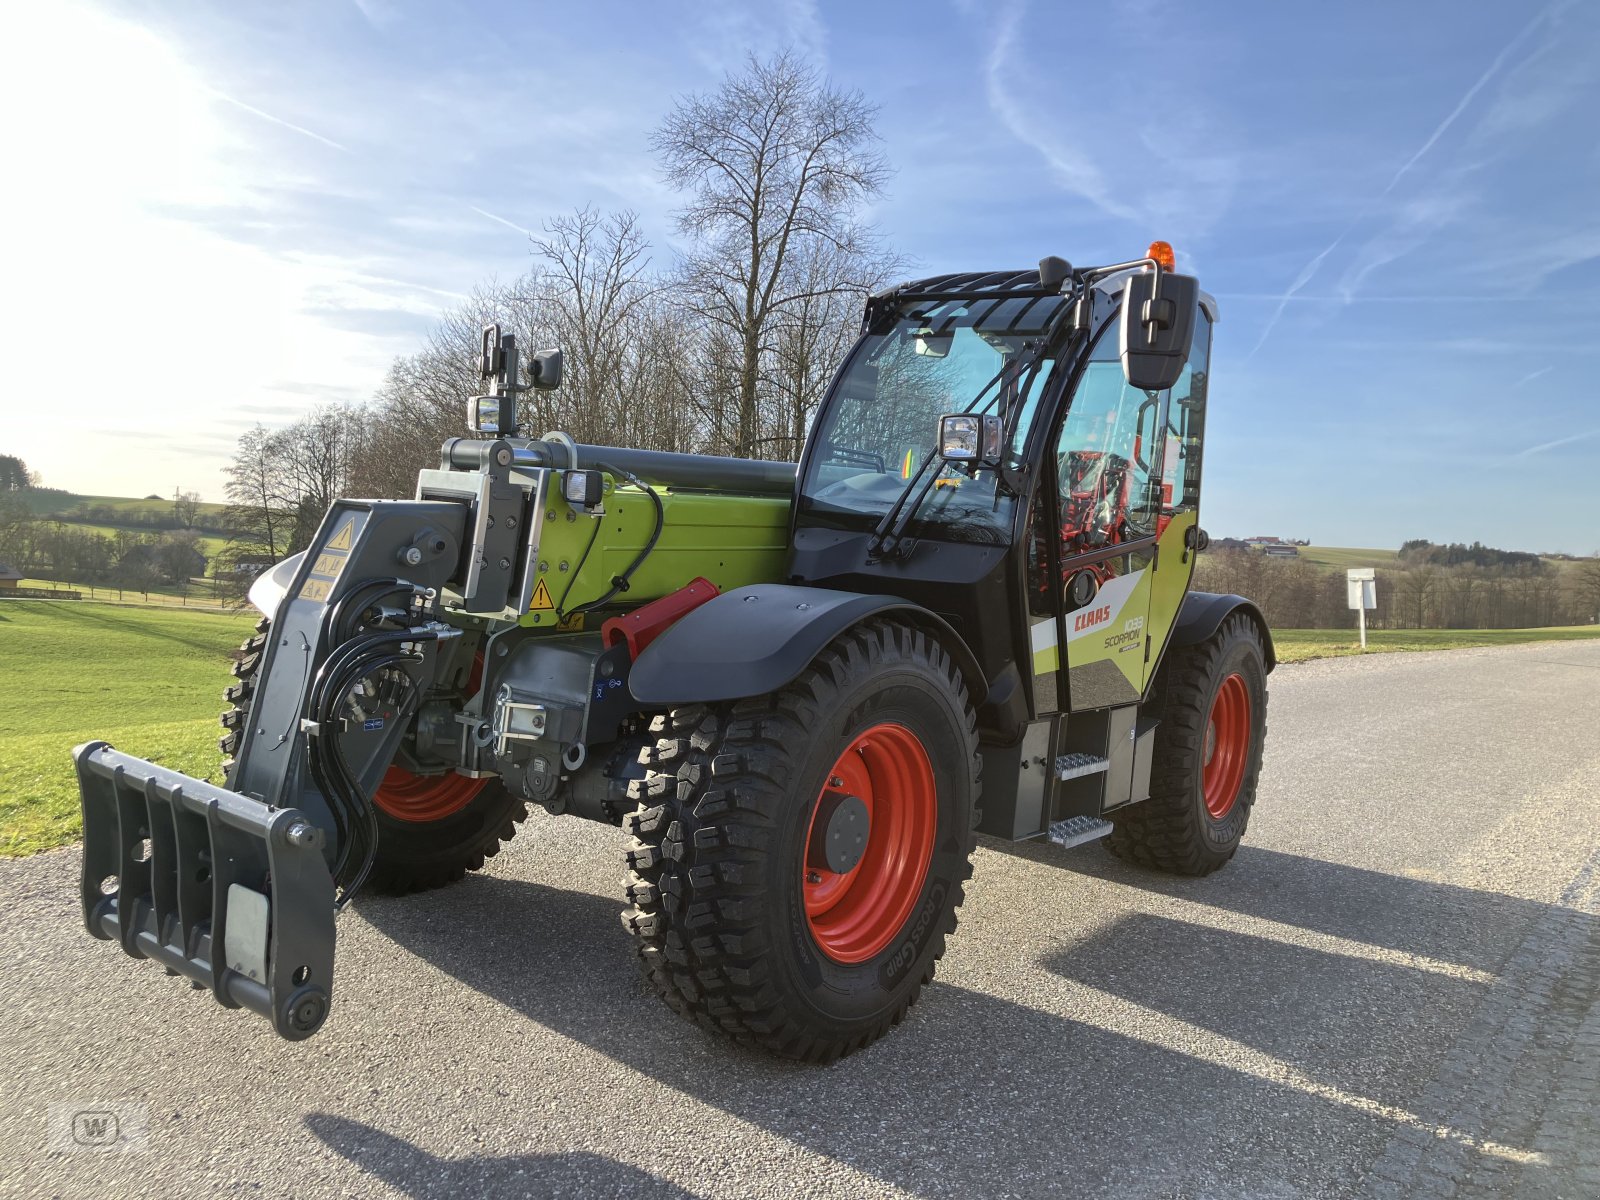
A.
pixel 757 639
pixel 267 592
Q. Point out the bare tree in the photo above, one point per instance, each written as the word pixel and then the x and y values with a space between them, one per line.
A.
pixel 185 508
pixel 775 159
pixel 1586 589
pixel 256 503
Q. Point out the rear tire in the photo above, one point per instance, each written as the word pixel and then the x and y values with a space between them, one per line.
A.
pixel 739 926
pixel 415 856
pixel 446 837
pixel 1212 708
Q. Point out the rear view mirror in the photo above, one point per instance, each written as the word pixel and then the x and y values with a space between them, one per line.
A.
pixel 970 438
pixel 932 345
pixel 1157 327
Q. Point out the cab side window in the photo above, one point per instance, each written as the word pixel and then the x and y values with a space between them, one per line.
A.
pixel 1108 458
pixel 1186 423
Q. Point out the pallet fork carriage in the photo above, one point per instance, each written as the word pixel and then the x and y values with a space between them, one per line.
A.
pixel 802 689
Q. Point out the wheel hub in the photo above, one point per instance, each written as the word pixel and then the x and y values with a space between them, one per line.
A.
pixel 839 832
pixel 869 843
pixel 1227 746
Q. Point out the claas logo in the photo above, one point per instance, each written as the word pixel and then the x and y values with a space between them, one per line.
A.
pixel 1088 620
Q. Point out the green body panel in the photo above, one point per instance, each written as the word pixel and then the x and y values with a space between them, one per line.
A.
pixel 1145 609
pixel 1169 585
pixel 730 539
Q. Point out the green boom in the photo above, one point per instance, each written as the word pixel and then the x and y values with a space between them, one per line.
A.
pixel 730 539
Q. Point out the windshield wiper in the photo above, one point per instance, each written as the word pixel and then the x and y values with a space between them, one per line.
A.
pixel 887 535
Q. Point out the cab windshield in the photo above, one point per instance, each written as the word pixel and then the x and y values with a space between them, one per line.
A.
pixel 881 422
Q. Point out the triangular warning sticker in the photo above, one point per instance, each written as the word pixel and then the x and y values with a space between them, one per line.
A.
pixel 541 598
pixel 345 537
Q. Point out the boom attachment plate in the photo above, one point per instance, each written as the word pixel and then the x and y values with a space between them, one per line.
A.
pixel 215 886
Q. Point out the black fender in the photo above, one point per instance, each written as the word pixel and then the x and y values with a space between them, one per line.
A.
pixel 754 640
pixel 1203 613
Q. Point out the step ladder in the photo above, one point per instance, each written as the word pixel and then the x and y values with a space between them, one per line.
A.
pixel 1076 766
pixel 1075 831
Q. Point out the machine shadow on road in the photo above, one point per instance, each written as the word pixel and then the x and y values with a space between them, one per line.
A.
pixel 1464 926
pixel 971 1081
pixel 410 1169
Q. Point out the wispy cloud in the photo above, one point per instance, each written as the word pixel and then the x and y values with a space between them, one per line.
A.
pixel 508 224
pixel 1493 69
pixel 1396 247
pixel 1532 375
pixel 1300 281
pixel 1566 441
pixel 1071 168
pixel 266 116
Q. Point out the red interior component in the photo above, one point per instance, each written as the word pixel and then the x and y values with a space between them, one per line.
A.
pixel 649 621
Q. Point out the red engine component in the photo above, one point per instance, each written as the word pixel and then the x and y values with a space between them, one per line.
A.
pixel 649 621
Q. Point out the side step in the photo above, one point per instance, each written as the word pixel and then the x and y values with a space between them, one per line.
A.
pixel 1076 766
pixel 1075 831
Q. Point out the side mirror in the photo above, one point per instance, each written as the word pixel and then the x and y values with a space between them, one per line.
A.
pixel 970 438
pixel 545 370
pixel 1157 328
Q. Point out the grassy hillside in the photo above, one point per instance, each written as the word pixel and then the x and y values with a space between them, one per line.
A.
pixel 1344 557
pixel 209 544
pixel 49 503
pixel 147 680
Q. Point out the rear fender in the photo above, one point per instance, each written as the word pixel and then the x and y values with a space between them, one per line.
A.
pixel 757 639
pixel 1203 613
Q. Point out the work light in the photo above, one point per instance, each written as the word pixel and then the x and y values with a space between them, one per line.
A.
pixel 492 414
pixel 970 438
pixel 583 487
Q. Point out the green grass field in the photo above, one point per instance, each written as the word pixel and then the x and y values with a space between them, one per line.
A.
pixel 1297 645
pixel 147 680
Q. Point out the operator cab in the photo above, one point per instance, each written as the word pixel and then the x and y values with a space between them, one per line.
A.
pixel 999 450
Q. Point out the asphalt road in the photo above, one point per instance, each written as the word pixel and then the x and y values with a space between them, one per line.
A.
pixel 1390 991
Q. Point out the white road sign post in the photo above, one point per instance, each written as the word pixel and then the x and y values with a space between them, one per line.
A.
pixel 1362 588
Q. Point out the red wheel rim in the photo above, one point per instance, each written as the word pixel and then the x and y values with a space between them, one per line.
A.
pixel 853 915
pixel 1227 746
pixel 409 797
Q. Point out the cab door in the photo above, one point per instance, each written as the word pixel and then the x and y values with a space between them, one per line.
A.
pixel 1107 461
pixel 1183 437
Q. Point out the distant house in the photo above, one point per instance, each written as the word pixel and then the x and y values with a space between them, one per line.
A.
pixel 253 564
pixel 1277 547
pixel 10 577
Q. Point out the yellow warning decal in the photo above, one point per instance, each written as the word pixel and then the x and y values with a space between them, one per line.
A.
pixel 572 624
pixel 327 565
pixel 345 538
pixel 315 589
pixel 541 599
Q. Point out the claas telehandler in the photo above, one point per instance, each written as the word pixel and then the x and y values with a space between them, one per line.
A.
pixel 801 689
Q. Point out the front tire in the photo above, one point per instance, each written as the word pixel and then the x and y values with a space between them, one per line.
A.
pixel 1212 709
pixel 747 922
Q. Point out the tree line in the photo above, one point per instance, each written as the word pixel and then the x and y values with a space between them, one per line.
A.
pixel 725 350
pixel 1417 593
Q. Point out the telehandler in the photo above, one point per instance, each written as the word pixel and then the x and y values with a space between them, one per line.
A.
pixel 801 689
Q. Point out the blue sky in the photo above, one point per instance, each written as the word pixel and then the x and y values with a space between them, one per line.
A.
pixel 234 210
